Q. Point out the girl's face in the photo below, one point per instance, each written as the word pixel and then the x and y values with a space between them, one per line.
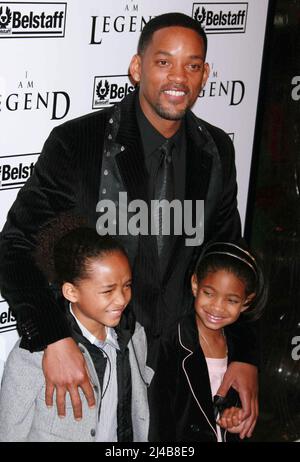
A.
pixel 100 299
pixel 219 299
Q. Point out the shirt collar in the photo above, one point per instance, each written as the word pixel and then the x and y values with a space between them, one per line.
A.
pixel 151 138
pixel 111 336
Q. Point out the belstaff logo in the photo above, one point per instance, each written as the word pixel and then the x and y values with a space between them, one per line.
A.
pixel 102 90
pixel 5 18
pixel 110 89
pixel 25 19
pixel 221 18
pixel 7 319
pixel 15 170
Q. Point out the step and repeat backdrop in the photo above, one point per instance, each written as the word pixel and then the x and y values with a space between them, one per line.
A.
pixel 60 60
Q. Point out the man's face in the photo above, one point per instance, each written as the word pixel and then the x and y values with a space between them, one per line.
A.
pixel 171 73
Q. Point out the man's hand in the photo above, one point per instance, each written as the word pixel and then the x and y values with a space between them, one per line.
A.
pixel 243 378
pixel 65 370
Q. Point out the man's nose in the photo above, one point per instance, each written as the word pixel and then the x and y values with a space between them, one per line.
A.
pixel 177 74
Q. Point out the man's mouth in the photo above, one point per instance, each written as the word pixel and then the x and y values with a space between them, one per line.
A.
pixel 175 92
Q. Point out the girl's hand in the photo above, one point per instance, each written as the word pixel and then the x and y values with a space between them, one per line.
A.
pixel 231 420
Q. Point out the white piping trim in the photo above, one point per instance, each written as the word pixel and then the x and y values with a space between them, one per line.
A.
pixel 189 382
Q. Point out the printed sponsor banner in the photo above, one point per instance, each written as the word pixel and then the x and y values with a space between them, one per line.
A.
pixel 110 89
pixel 34 20
pixel 221 17
pixel 44 83
pixel 7 320
pixel 15 170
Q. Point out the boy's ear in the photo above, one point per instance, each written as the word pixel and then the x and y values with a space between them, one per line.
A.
pixel 194 284
pixel 248 301
pixel 69 291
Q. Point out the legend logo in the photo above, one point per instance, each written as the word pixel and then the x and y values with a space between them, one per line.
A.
pixel 110 89
pixel 221 18
pixel 15 170
pixel 24 19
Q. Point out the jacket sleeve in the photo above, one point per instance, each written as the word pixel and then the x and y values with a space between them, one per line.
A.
pixel 162 396
pixel 228 223
pixel 22 382
pixel 49 191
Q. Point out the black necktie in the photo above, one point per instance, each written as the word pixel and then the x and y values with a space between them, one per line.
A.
pixel 164 190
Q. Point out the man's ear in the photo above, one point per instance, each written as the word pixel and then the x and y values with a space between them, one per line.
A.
pixel 205 74
pixel 194 284
pixel 248 302
pixel 70 292
pixel 135 68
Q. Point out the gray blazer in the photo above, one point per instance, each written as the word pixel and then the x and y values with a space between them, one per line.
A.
pixel 24 415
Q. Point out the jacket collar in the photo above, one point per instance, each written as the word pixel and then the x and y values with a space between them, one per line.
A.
pixel 194 366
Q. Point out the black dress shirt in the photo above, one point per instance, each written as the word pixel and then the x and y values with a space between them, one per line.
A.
pixel 152 140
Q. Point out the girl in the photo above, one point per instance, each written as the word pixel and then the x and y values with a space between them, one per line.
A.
pixel 227 281
pixel 94 277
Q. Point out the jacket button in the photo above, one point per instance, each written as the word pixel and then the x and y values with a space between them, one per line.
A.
pixel 195 428
pixel 96 388
pixel 93 432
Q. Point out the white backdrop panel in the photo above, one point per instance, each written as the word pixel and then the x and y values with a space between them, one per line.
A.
pixel 76 61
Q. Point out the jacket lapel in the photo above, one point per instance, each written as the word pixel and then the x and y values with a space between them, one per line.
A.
pixel 130 160
pixel 195 367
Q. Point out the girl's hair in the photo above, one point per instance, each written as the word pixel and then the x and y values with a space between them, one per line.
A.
pixel 66 246
pixel 234 258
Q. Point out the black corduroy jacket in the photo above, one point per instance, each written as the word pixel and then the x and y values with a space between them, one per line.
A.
pixel 68 177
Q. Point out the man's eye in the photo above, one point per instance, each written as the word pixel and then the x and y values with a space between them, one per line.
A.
pixel 163 62
pixel 232 301
pixel 194 67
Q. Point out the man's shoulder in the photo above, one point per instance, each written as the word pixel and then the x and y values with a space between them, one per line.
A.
pixel 86 121
pixel 218 134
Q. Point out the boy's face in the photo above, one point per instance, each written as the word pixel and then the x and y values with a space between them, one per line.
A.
pixel 219 299
pixel 100 299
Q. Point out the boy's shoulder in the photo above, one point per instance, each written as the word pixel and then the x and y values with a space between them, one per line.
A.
pixel 19 356
pixel 24 369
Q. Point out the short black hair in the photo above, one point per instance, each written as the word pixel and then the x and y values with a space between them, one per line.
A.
pixel 169 20
pixel 66 246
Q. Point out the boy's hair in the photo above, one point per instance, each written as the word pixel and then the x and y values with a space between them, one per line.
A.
pixel 169 20
pixel 236 259
pixel 66 246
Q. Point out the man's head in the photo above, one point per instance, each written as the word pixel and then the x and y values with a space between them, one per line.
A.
pixel 170 68
pixel 169 20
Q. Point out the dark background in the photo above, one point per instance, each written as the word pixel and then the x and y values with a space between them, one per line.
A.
pixel 273 222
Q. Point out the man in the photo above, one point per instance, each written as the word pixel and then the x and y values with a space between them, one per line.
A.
pixel 96 157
